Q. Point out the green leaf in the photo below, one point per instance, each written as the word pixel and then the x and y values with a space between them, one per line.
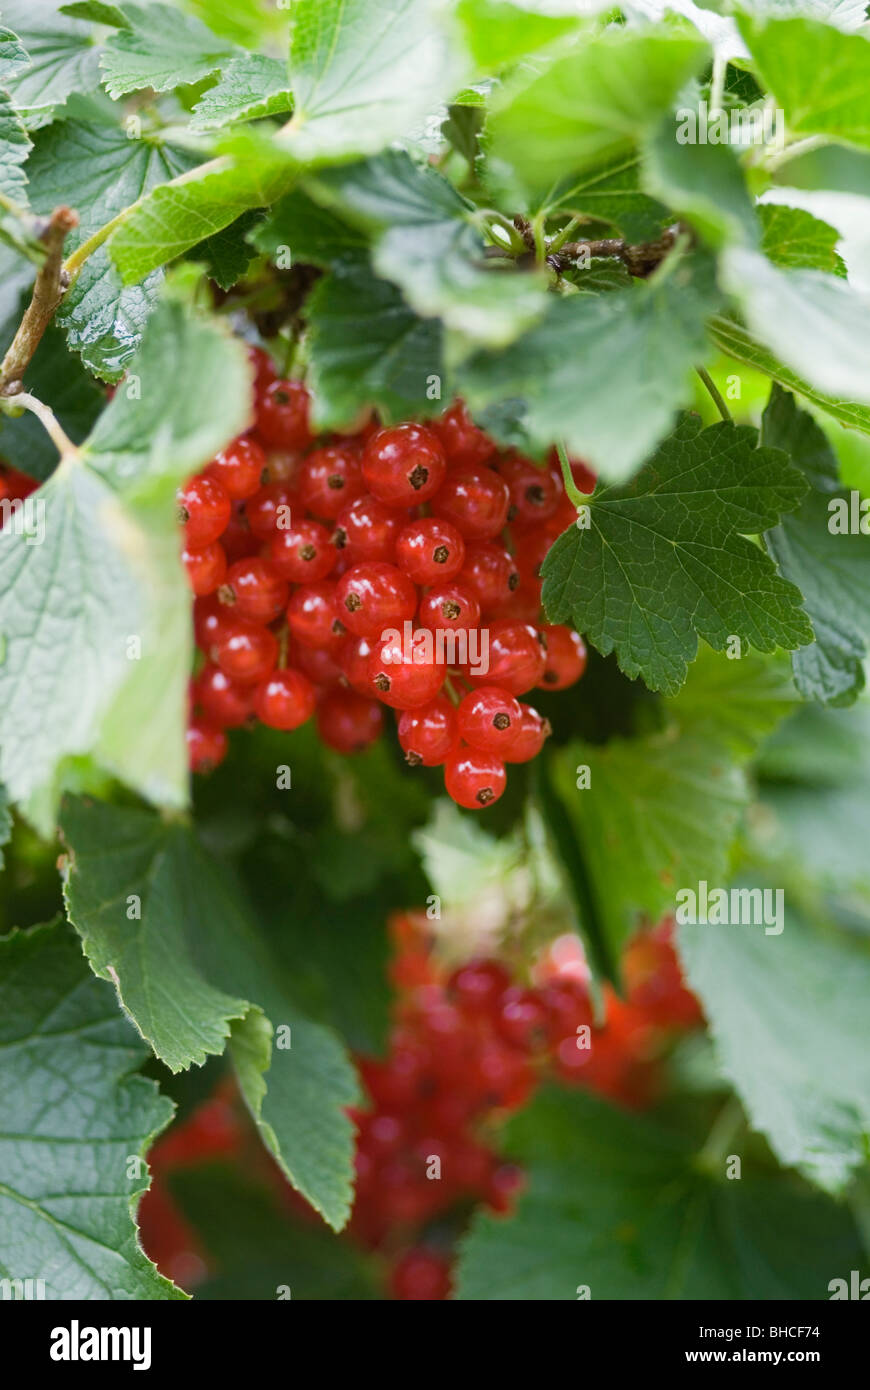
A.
pixel 14 57
pixel 162 48
pixel 426 242
pixel 69 1133
pixel 831 569
pixel 5 822
pixel 795 239
pixel 15 146
pixel 178 215
pixel 611 193
pixel 500 33
pixel 818 75
pixel 619 1205
pixel 738 342
pixel 63 59
pixel 592 103
pixel 368 348
pixel 701 182
pixel 98 12
pixel 58 379
pixel 663 810
pixel 818 325
pixel 797 1000
pixel 227 254
pixel 665 559
pixel 192 964
pixel 251 86
pixel 100 171
pixel 308 232
pixel 365 72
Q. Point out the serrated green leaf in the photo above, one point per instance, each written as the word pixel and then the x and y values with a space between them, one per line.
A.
pixel 500 33
pixel 228 253
pixel 831 569
pixel 98 12
pixel 795 239
pixel 63 59
pixel 619 1205
pixel 162 48
pixel 69 1133
pixel 15 146
pixel 298 226
pixel 665 559
pixel 819 76
pixel 368 348
pixel 14 57
pixel 818 325
pixel 798 1000
pixel 611 193
pixel 592 103
pixel 701 182
pixel 426 242
pixel 100 171
pixel 578 369
pixel 251 86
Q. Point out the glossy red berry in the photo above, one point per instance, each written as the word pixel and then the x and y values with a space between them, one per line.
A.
pixel 347 721
pixel 461 440
pixel 533 734
pixel 274 507
pixel 490 720
pixel 534 491
pixel 478 986
pixel 404 677
pixel 302 553
pixel 565 657
pixel 205 568
pixel 352 656
pixel 246 652
pixel 475 501
pixel 264 367
pixel 284 700
pixel 427 734
pixel 490 573
pixel 367 530
pixel 222 701
pixel 254 589
pixel 204 510
pixel 313 617
pixel 474 779
pixel 330 479
pixel 522 1020
pixel 317 663
pixel 206 745
pixel 373 597
pixel 210 621
pixel 516 657
pixel 282 408
pixel 239 468
pixel 450 606
pixel 430 550
pixel 403 465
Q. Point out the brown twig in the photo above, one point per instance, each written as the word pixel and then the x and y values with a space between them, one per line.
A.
pixel 640 260
pixel 51 285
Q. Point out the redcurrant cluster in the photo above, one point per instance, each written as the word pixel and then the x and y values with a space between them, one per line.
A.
pixel 393 567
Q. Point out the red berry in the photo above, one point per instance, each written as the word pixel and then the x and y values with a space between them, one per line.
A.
pixel 254 590
pixel 522 1019
pixel 534 491
pixel 374 596
pixel 478 986
pixel 367 530
pixel 449 606
pixel 210 621
pixel 204 508
pixel 264 367
pixel 475 501
pixel 347 721
pixel 313 617
pixel 490 573
pixel 222 701
pixel 302 552
pixel 272 509
pixel 430 550
pixel 533 734
pixel 403 465
pixel 427 734
pixel 461 440
pixel 516 657
pixel 205 568
pixel 239 468
pixel 404 679
pixel 565 658
pixel 285 699
pixel 282 414
pixel 352 656
pixel 317 663
pixel 503 1187
pixel 246 652
pixel 206 745
pixel 474 779
pixel 330 479
pixel 489 720
pixel 238 540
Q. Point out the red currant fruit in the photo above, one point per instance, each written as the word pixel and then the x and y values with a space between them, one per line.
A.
pixel 403 465
pixel 222 701
pixel 210 621
pixel 353 657
pixel 461 440
pixel 490 720
pixel 478 986
pixel 347 721
pixel 272 509
pixel 534 491
pixel 450 606
pixel 374 596
pixel 204 508
pixel 367 530
pixel 533 734
pixel 430 551
pixel 264 367
pixel 254 590
pixel 246 652
pixel 206 745
pixel 330 479
pixel 522 1019
pixel 427 734
pixel 490 573
pixel 565 659
pixel 284 700
pixel 317 663
pixel 516 657
pixel 302 553
pixel 475 501
pixel 205 568
pixel 474 779
pixel 282 414
pixel 239 468
pixel 313 617
pixel 404 679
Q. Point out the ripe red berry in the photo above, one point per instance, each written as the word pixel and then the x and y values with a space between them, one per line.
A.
pixel 373 597
pixel 521 1019
pixel 427 734
pixel 210 621
pixel 264 367
pixel 404 679
pixel 317 663
pixel 352 656
pixel 533 734
pixel 246 652
pixel 475 501
pixel 254 590
pixel 273 508
pixel 330 479
pixel 490 573
pixel 565 657
pixel 430 550
pixel 534 491
pixel 490 720
pixel 478 986
pixel 450 606
pixel 403 465
pixel 239 468
pixel 474 779
pixel 205 568
pixel 285 699
pixel 461 440
pixel 238 540
pixel 302 553
pixel 282 414
pixel 206 745
pixel 313 616
pixel 347 721
pixel 516 657
pixel 222 701
pixel 367 530
pixel 204 509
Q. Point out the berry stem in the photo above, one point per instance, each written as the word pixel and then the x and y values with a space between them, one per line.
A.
pixel 450 691
pixel 715 393
pixel 578 498
pixel 12 405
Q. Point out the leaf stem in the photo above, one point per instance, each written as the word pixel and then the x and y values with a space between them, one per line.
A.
pixel 716 394
pixel 11 405
pixel 49 288
pixel 580 499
